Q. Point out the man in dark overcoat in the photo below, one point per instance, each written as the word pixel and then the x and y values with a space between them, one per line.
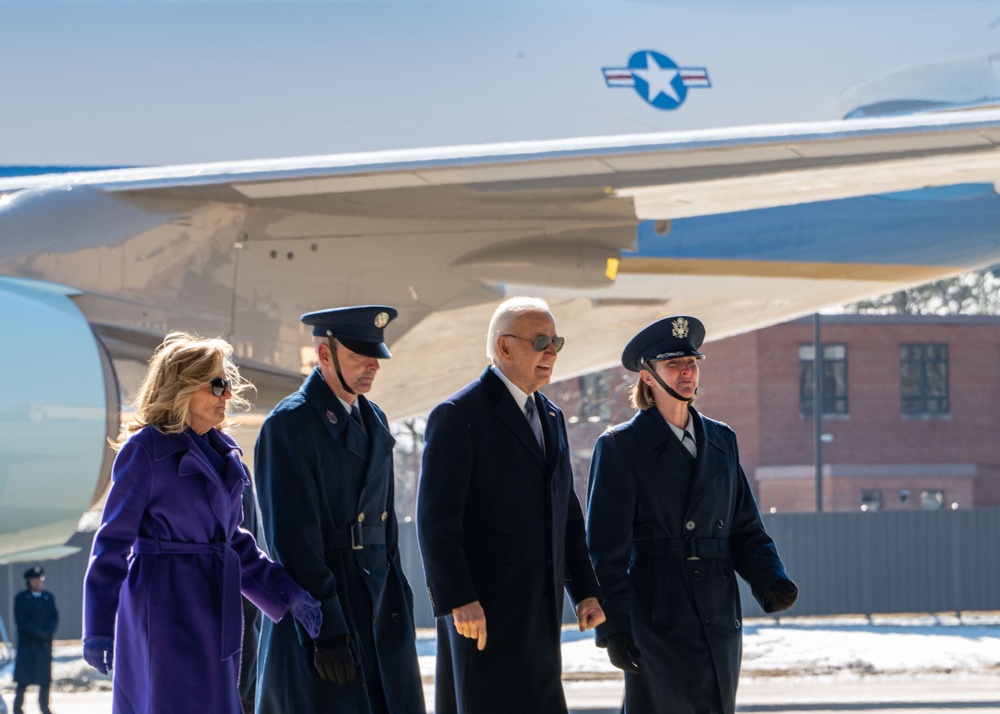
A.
pixel 324 474
pixel 501 530
pixel 671 521
pixel 36 618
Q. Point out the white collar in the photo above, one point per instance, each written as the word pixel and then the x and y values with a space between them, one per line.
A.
pixel 679 433
pixel 519 395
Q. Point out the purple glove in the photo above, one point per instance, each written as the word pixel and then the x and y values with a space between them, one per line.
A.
pixel 306 609
pixel 99 652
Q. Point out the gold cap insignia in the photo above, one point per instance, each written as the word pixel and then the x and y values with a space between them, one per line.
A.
pixel 382 319
pixel 680 327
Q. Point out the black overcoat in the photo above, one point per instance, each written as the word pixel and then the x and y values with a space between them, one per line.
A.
pixel 322 479
pixel 648 519
pixel 36 619
pixel 499 522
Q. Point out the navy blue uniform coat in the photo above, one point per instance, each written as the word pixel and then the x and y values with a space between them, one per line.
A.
pixel 643 524
pixel 36 620
pixel 317 472
pixel 499 522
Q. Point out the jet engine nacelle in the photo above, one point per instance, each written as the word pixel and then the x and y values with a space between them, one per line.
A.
pixel 58 406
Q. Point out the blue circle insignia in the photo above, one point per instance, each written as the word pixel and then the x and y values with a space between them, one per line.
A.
pixel 658 79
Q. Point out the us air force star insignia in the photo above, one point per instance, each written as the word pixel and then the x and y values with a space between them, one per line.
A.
pixel 331 417
pixel 382 319
pixel 680 327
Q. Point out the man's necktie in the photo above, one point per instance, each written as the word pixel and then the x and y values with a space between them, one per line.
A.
pixel 534 421
pixel 356 415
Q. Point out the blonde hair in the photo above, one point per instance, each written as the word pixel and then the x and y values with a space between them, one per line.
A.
pixel 641 396
pixel 179 367
pixel 504 316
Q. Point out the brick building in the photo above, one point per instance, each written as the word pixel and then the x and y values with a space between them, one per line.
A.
pixel 911 411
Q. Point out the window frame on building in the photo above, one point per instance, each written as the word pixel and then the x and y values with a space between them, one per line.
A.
pixel 835 402
pixel 916 360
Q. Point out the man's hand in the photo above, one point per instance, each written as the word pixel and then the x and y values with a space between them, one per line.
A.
pixel 335 659
pixel 99 653
pixel 589 614
pixel 470 621
pixel 623 652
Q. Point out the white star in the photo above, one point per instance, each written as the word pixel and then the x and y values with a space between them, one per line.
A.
pixel 659 79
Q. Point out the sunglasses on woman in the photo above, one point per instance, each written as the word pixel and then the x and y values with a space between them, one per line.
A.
pixel 220 386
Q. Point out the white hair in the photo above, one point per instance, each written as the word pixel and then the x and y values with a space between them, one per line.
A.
pixel 507 312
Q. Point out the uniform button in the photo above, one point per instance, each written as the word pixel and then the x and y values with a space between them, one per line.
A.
pixel 696 575
pixel 361 517
pixel 690 525
pixel 707 624
pixel 738 625
pixel 385 514
pixel 725 576
pixel 720 523
pixel 396 618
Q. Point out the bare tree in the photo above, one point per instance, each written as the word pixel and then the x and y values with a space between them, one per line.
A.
pixel 969 294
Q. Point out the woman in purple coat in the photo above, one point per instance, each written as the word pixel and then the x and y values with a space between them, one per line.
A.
pixel 170 560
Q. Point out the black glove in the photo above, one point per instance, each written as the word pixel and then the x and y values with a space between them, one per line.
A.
pixel 335 659
pixel 623 652
pixel 781 595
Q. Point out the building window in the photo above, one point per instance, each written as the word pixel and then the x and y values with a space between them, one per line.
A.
pixel 834 380
pixel 923 373
pixel 871 499
pixel 595 396
pixel 932 500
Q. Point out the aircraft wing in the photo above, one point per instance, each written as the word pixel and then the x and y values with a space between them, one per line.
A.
pixel 741 227
pixel 243 248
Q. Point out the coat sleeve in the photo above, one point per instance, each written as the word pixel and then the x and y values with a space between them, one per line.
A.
pixel 52 620
pixel 445 475
pixel 610 515
pixel 755 557
pixel 262 581
pixel 123 512
pixel 289 504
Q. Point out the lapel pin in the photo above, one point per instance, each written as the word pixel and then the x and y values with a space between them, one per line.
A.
pixel 331 417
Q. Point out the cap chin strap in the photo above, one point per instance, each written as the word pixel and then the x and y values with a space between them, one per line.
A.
pixel 336 362
pixel 646 366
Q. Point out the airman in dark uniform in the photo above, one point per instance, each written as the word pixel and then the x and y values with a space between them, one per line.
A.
pixel 325 486
pixel 36 618
pixel 671 521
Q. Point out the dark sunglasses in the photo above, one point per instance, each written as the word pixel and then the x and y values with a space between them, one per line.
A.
pixel 542 342
pixel 220 386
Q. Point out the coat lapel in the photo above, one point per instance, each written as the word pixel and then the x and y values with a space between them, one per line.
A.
pixel 712 458
pixel 551 433
pixel 380 444
pixel 194 464
pixel 511 415
pixel 333 415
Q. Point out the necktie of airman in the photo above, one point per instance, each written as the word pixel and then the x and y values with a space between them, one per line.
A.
pixel 688 441
pixel 534 421
pixel 356 415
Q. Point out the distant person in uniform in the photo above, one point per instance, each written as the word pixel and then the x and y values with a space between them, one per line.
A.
pixel 325 485
pixel 36 618
pixel 162 591
pixel 500 527
pixel 671 521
